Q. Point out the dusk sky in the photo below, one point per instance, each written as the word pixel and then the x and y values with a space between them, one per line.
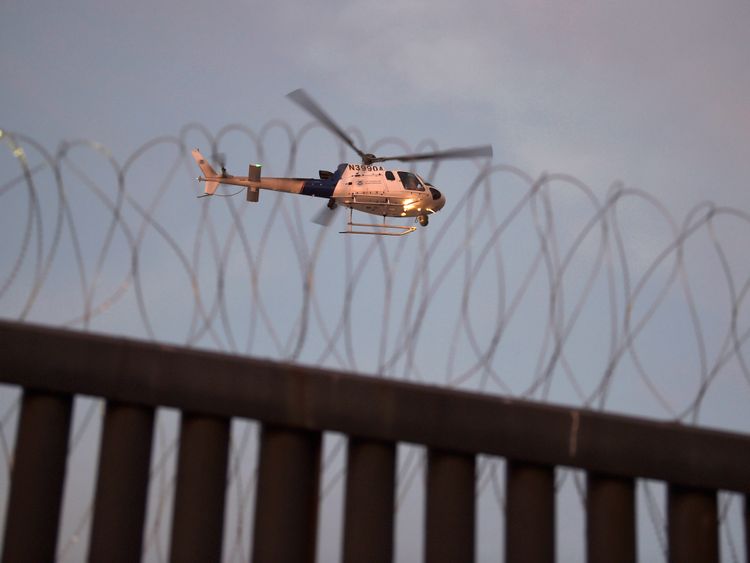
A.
pixel 654 95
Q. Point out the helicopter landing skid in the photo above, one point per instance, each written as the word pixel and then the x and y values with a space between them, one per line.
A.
pixel 378 229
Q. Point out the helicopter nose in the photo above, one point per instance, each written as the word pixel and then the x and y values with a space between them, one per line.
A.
pixel 438 199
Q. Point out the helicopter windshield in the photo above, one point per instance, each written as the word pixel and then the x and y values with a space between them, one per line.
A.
pixel 410 181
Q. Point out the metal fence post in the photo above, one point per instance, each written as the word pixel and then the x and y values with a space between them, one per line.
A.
pixel 610 519
pixel 693 525
pixel 369 504
pixel 450 514
pixel 37 477
pixel 198 519
pixel 530 513
pixel 286 506
pixel 122 484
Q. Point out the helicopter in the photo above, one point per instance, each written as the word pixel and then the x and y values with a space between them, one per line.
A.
pixel 366 186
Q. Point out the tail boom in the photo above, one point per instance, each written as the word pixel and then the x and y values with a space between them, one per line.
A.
pixel 303 186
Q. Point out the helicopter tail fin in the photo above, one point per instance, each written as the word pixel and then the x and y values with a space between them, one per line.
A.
pixel 208 172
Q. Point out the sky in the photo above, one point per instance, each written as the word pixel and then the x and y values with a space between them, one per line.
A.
pixel 653 95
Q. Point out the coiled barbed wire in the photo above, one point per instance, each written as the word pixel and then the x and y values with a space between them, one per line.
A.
pixel 540 288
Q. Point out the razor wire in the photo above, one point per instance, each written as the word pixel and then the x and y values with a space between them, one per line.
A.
pixel 536 287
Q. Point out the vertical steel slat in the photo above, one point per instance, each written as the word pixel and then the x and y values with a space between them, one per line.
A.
pixel 693 525
pixel 530 513
pixel 369 504
pixel 610 519
pixel 122 484
pixel 198 519
pixel 286 509
pixel 37 477
pixel 450 507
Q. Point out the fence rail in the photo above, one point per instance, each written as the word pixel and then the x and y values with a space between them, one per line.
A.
pixel 295 405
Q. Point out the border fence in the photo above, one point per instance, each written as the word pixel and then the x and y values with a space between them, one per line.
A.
pixel 295 405
pixel 536 287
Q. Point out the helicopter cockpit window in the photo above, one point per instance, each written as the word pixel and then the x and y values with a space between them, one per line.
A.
pixel 389 175
pixel 410 181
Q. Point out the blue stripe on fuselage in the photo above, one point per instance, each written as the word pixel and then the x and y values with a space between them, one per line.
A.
pixel 318 188
pixel 323 188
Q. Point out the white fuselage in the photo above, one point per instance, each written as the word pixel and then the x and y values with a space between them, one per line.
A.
pixel 391 193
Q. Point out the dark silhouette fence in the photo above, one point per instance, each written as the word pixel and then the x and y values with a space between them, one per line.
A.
pixel 295 405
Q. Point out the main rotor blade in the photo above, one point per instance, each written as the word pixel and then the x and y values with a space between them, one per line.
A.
pixel 302 99
pixel 469 152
